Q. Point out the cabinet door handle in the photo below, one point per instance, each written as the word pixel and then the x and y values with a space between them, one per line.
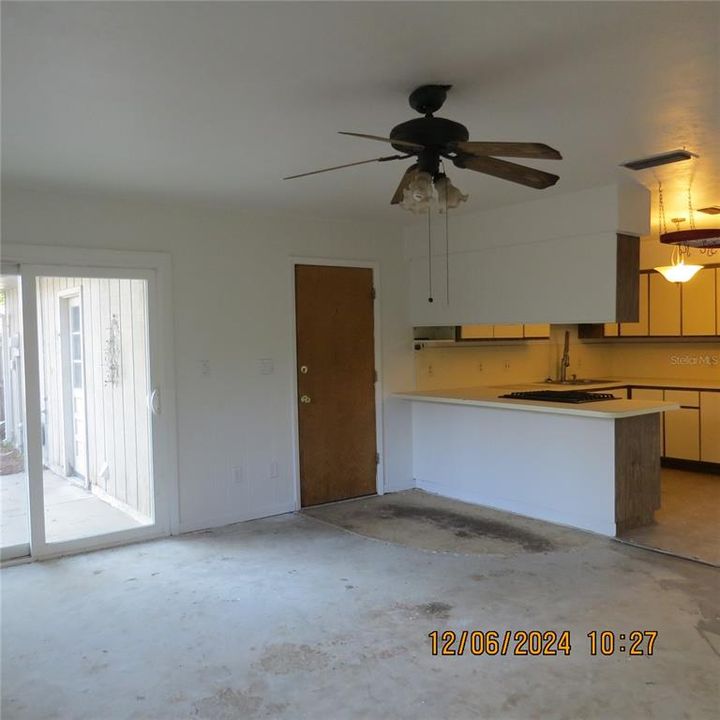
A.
pixel 305 399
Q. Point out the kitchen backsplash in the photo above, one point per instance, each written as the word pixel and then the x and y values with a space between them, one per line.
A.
pixel 490 364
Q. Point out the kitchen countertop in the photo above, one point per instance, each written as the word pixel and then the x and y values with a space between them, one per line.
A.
pixel 674 383
pixel 489 397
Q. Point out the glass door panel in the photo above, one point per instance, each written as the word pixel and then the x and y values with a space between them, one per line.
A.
pixel 14 515
pixel 96 424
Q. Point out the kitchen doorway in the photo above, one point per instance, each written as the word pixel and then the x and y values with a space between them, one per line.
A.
pixel 336 382
pixel 688 522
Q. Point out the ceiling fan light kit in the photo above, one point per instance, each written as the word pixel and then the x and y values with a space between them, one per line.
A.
pixel 430 140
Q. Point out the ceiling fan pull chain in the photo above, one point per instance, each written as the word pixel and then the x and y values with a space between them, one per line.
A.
pixel 447 250
pixel 430 295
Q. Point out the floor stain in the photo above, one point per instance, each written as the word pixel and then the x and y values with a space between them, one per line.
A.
pixel 438 610
pixel 467 526
pixel 228 704
pixel 286 658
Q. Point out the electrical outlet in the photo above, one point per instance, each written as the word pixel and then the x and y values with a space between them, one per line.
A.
pixel 274 469
pixel 205 368
pixel 507 364
pixel 480 367
pixel 430 370
pixel 237 474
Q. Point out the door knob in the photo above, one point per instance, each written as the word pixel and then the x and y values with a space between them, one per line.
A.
pixel 305 399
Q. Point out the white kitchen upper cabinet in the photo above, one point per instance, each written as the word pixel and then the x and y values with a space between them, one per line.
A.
pixel 537 330
pixel 476 332
pixel 699 304
pixel 664 306
pixel 508 331
pixel 553 259
pixel 710 427
pixel 641 327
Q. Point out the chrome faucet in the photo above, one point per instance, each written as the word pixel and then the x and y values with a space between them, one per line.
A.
pixel 565 361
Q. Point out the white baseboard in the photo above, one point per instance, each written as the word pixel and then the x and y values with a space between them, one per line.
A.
pixel 531 512
pixel 232 519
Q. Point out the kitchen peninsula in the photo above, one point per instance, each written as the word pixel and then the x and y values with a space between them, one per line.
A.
pixel 593 466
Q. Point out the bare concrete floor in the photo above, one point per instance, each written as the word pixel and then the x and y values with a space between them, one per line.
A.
pixel 688 523
pixel 70 511
pixel 291 618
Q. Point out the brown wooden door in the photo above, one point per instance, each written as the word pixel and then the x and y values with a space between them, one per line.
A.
pixel 336 382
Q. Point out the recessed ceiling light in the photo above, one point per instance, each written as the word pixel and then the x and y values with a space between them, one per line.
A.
pixel 710 210
pixel 661 159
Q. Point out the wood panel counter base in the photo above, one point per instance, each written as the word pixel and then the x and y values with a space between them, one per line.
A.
pixel 637 471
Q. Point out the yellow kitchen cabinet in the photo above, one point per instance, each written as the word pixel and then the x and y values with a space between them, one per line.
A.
pixel 611 330
pixel 682 427
pixel 710 427
pixel 508 331
pixel 536 330
pixel 639 328
pixel 699 304
pixel 682 434
pixel 717 301
pixel 652 394
pixel 476 332
pixel 664 306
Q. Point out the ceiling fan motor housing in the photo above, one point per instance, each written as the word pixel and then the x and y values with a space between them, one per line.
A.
pixel 428 99
pixel 432 133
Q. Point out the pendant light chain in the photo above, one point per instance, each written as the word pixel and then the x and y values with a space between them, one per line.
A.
pixel 691 212
pixel 662 225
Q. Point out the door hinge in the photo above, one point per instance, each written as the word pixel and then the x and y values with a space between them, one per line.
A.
pixel 373 293
pixel 377 458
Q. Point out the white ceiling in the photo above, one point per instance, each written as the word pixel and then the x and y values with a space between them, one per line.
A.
pixel 218 101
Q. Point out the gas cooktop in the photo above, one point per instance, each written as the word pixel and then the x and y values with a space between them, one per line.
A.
pixel 564 396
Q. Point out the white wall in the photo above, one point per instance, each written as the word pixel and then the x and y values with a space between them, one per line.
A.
pixel 233 306
pixel 550 260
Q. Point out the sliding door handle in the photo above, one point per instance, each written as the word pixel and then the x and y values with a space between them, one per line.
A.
pixel 154 401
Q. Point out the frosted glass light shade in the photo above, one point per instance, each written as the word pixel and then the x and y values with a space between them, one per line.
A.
pixel 678 272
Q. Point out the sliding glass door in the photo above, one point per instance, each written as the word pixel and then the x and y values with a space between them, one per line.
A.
pixel 14 509
pixel 94 389
pixel 80 410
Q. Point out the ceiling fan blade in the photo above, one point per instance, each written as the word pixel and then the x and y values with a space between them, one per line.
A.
pixel 404 182
pixel 508 149
pixel 339 167
pixel 507 171
pixel 402 143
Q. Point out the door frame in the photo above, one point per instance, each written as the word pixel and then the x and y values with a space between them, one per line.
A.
pixel 377 332
pixel 64 297
pixel 34 261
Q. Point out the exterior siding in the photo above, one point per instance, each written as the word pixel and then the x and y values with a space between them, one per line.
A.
pixel 117 416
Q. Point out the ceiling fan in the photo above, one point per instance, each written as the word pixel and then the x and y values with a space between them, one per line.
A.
pixel 430 139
